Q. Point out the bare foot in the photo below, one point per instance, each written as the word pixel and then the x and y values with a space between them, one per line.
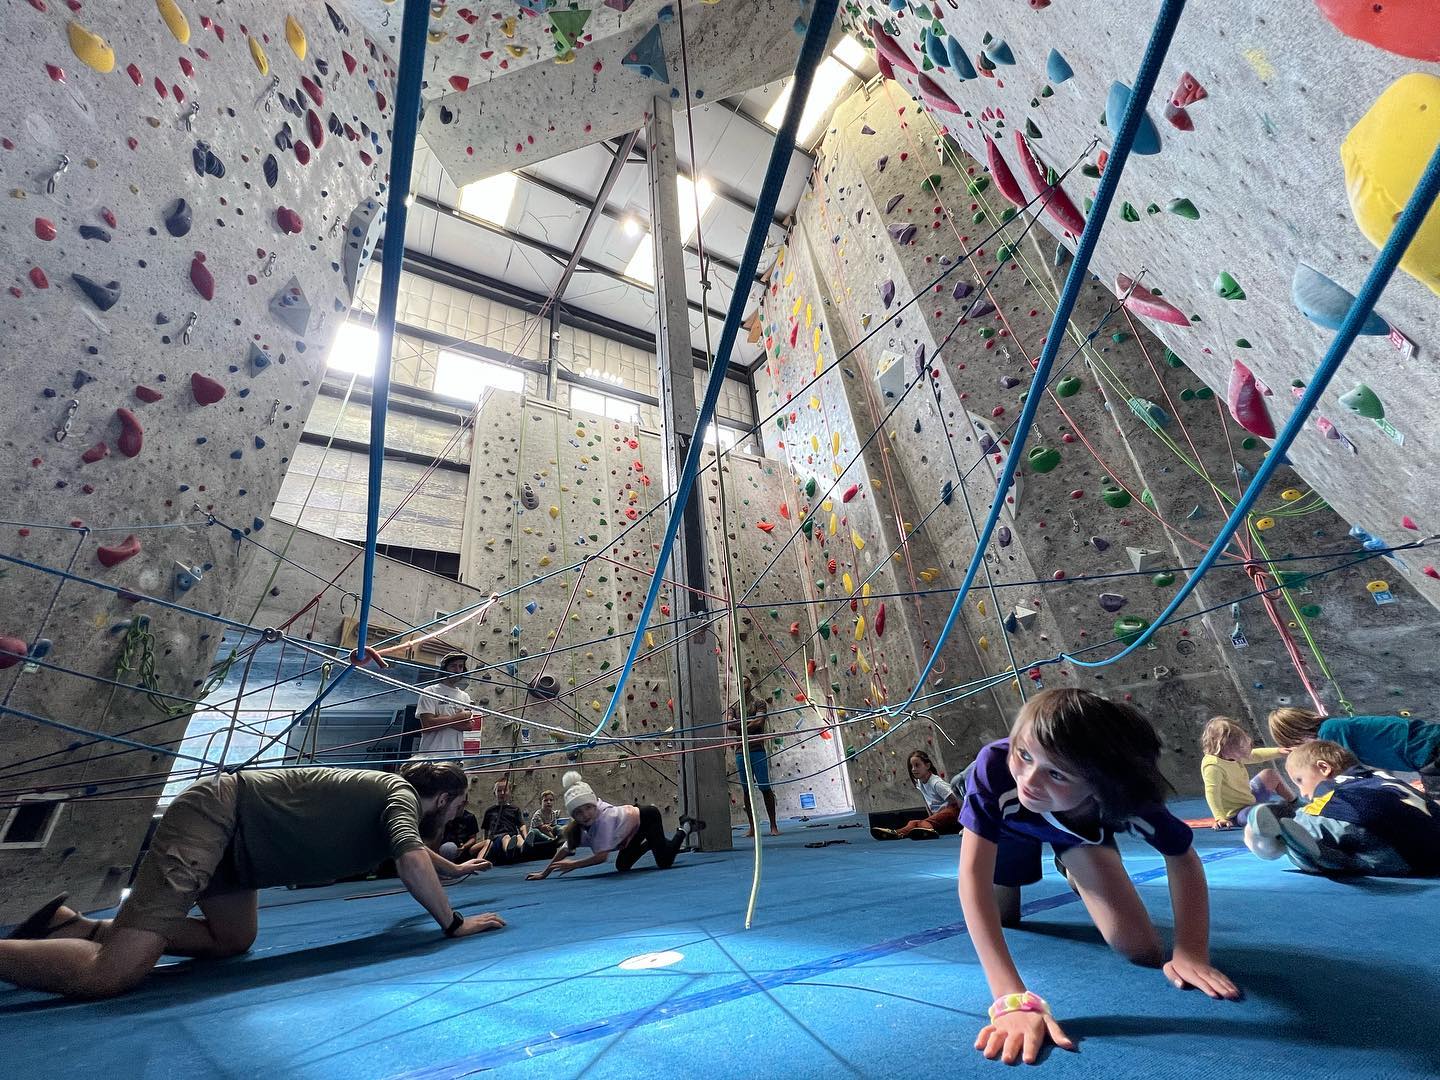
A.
pixel 774 830
pixel 80 928
pixel 749 833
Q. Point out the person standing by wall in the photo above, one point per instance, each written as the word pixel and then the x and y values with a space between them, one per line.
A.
pixel 444 712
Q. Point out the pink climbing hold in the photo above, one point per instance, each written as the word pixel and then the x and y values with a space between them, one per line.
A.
pixel 132 435
pixel 1247 403
pixel 850 493
pixel 935 97
pixel 1187 92
pixel 1407 522
pixel 201 278
pixel 1057 203
pixel 1430 571
pixel 115 554
pixel 880 621
pixel 889 48
pixel 1002 174
pixel 205 389
pixel 12 651
pixel 145 394
pixel 1143 302
pixel 98 452
pixel 288 220
pixel 44 228
pixel 887 70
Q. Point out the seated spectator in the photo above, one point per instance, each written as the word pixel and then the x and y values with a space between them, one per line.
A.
pixel 543 820
pixel 941 801
pixel 461 838
pixel 510 840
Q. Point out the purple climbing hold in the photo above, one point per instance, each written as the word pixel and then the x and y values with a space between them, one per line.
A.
pixel 887 292
pixel 867 130
pixel 1009 382
pixel 962 289
pixel 1112 602
pixel 987 444
pixel 1003 536
pixel 894 201
pixel 903 233
pixel 981 308
pixel 103 297
pixel 94 232
pixel 1100 543
pixel 272 170
pixel 880 163
pixel 178 220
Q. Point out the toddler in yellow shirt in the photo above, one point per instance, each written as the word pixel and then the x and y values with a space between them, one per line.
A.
pixel 1229 789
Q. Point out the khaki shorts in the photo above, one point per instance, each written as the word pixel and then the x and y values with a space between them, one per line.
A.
pixel 187 860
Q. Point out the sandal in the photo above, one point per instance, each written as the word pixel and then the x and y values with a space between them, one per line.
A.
pixel 923 833
pixel 883 834
pixel 827 843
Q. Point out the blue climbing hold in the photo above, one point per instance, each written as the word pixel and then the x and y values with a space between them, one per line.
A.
pixel 1057 68
pixel 648 57
pixel 959 61
pixel 934 48
pixel 1326 303
pixel 1000 52
pixel 1147 139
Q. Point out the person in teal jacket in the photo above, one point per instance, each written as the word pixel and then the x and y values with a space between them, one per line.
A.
pixel 1393 743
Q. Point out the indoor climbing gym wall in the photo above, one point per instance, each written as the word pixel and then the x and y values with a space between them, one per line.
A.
pixel 191 195
pixel 1247 216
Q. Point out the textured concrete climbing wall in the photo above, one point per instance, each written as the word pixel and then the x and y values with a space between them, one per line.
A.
pixel 190 190
pixel 517 87
pixel 886 217
pixel 1251 109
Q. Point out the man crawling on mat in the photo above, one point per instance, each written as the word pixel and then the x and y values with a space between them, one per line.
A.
pixel 225 837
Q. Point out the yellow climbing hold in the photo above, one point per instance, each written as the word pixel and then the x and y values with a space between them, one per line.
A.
pixel 835 442
pixel 819 364
pixel 174 20
pixel 815 442
pixel 864 664
pixel 295 37
pixel 834 525
pixel 567 57
pixel 983 642
pixel 91 48
pixel 817 333
pixel 856 539
pixel 981 608
pixel 860 628
pixel 814 402
pixel 1265 523
pixel 554 512
pixel 435 36
pixel 794 311
pixel 1384 155
pixel 517 51
pixel 262 62
pixel 649 639
pixel 865 593
pixel 507 27
pixel 544 560
pixel 1378 586
pixel 810 318
pixel 827 506
pixel 848 582
pixel 1290 494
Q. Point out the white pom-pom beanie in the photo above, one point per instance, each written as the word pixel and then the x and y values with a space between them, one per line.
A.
pixel 577 792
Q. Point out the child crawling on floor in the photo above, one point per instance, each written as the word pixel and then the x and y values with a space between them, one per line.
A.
pixel 1352 819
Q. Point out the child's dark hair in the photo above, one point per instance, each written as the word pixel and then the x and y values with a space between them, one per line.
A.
pixel 923 756
pixel 1110 744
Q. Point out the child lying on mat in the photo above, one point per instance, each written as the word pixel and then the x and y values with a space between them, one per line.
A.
pixel 1394 743
pixel 1231 791
pixel 1353 819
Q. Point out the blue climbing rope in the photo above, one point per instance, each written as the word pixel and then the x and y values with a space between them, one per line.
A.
pixel 811 53
pixel 1155 51
pixel 392 257
pixel 1405 229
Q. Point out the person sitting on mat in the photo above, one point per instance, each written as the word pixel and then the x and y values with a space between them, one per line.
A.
pixel 1231 791
pixel 504 827
pixel 1353 820
pixel 542 821
pixel 461 838
pixel 940 800
pixel 756 712
pixel 1075 770
pixel 1392 743
pixel 223 838
pixel 629 831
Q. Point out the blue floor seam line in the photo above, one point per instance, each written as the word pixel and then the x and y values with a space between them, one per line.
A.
pixel 622 1023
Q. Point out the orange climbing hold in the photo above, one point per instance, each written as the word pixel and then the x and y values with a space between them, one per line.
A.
pixel 765 526
pixel 1407 27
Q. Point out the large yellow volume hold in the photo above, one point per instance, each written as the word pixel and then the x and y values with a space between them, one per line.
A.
pixel 1384 155
pixel 295 37
pixel 174 20
pixel 91 48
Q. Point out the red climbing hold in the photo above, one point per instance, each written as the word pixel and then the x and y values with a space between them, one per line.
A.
pixel 850 493
pixel 145 394
pixel 1187 92
pixel 1407 27
pixel 1430 571
pixel 890 49
pixel 935 97
pixel 302 152
pixel 880 621
pixel 459 83
pixel 316 127
pixel 785 511
pixel 349 61
pixel 134 73
pixel 201 278
pixel 288 220
pixel 1057 203
pixel 38 278
pixel 1247 403
pixel 1001 173
pixel 310 87
pixel 1179 118
pixel 12 651
pixel 765 526
pixel 1407 522
pixel 44 228
pixel 115 554
pixel 1143 302
pixel 132 435
pixel 205 389
pixel 98 452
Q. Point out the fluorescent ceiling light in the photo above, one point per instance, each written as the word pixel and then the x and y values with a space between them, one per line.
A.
pixel 489 199
pixel 354 349
pixel 850 52
pixel 831 77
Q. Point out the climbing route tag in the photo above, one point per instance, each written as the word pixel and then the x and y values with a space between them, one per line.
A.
pixel 1403 345
pixel 1383 596
pixel 1397 437
pixel 1239 640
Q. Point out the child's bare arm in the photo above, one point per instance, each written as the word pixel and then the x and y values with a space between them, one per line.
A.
pixel 1190 898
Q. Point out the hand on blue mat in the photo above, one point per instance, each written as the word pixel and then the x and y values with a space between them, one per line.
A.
pixel 1183 972
pixel 478 924
pixel 1021 1034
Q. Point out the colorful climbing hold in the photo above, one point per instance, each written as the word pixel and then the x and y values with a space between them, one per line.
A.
pixel 91 48
pixel 115 554
pixel 1247 403
pixel 1227 288
pixel 205 390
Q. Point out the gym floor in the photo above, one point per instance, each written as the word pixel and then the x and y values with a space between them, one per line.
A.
pixel 857 965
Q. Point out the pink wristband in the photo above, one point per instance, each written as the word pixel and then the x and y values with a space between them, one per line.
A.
pixel 1012 1003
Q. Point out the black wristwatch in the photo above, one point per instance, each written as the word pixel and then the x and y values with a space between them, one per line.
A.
pixel 456 921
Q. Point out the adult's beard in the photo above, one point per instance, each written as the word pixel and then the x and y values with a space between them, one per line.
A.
pixel 431 826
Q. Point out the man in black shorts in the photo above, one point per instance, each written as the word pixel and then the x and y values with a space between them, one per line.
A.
pixel 227 836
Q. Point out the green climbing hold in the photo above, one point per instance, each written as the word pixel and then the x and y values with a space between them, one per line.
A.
pixel 1163 580
pixel 1248 443
pixel 1187 394
pixel 1364 401
pixel 1227 288
pixel 1128 212
pixel 1311 611
pixel 1069 386
pixel 1183 208
pixel 1242 343
pixel 978 185
pixel 1008 213
pixel 1092 171
pixel 931 183
pixel 1148 499
pixel 987 332
pixel 1173 360
pixel 1120 337
pixel 1047 92
pixel 825 630
pixel 978 218
pixel 1051 176
pixel 774 613
pixel 808 526
pixel 1042 459
pixel 811 486
pixel 1031 131
pixel 1003 253
pixel 1116 497
pixel 1089 205
pixel 1128 628
pixel 1204 393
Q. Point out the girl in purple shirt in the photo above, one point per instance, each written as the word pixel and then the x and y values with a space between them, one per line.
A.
pixel 1076 770
pixel 629 831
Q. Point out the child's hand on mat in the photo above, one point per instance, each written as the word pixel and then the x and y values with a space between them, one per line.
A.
pixel 1018 1035
pixel 1184 971
pixel 538 875
pixel 1223 823
pixel 478 924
